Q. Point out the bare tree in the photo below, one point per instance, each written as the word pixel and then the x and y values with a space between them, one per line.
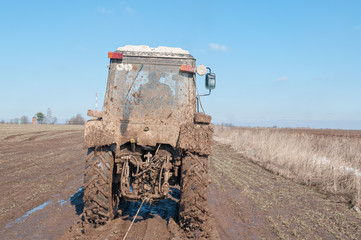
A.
pixel 77 120
pixel 50 119
pixel 24 120
pixel 227 124
pixel 14 121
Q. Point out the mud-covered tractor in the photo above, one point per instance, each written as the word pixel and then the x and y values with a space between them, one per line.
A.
pixel 149 136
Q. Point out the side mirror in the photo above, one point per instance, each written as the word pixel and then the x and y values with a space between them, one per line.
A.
pixel 210 81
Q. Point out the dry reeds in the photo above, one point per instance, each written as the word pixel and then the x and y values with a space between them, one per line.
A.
pixel 330 162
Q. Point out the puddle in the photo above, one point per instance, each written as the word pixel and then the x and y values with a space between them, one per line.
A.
pixel 62 202
pixel 27 214
pixel 166 209
pixel 77 200
pixel 32 211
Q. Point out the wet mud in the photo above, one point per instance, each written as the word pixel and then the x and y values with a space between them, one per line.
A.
pixel 154 221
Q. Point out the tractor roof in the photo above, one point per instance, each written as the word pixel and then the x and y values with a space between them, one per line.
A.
pixel 146 51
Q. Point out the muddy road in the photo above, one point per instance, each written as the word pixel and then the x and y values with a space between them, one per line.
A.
pixel 41 175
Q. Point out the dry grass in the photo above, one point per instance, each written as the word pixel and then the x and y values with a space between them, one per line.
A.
pixel 331 162
pixel 273 207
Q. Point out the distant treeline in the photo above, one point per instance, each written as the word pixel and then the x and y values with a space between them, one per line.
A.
pixel 49 118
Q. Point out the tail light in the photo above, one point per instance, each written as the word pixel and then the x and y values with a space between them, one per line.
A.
pixel 115 55
pixel 187 68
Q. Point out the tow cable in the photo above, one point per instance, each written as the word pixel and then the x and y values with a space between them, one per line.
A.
pixel 126 234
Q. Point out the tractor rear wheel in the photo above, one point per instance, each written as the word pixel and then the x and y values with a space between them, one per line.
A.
pixel 100 198
pixel 194 213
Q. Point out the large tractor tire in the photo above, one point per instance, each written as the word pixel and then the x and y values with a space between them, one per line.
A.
pixel 100 198
pixel 194 214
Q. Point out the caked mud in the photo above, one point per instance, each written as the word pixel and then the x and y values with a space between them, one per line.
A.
pixel 149 137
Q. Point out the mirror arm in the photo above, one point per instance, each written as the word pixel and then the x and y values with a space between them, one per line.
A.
pixel 198 97
pixel 209 93
pixel 203 95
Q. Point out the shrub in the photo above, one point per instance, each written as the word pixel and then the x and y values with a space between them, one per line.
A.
pixel 77 120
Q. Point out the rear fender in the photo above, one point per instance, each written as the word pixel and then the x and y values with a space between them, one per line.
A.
pixel 96 133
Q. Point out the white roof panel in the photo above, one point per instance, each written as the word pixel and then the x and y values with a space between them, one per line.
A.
pixel 144 48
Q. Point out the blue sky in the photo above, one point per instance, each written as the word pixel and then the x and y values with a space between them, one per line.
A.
pixel 284 63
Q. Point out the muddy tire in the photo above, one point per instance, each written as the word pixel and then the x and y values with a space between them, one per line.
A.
pixel 194 216
pixel 100 201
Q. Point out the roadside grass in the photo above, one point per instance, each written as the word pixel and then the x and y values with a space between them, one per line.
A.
pixel 329 161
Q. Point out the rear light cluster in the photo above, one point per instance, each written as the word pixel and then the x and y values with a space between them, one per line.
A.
pixel 187 68
pixel 115 55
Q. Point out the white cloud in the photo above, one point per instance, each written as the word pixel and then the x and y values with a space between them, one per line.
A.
pixel 284 78
pixel 103 10
pixel 129 10
pixel 218 47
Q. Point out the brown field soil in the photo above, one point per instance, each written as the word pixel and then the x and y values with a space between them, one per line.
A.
pixel 39 165
pixel 41 175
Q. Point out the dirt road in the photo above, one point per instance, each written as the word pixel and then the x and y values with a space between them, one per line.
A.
pixel 41 175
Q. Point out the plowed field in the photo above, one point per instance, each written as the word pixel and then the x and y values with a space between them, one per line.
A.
pixel 41 175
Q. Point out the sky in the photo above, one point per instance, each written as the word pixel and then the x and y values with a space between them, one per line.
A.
pixel 278 63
